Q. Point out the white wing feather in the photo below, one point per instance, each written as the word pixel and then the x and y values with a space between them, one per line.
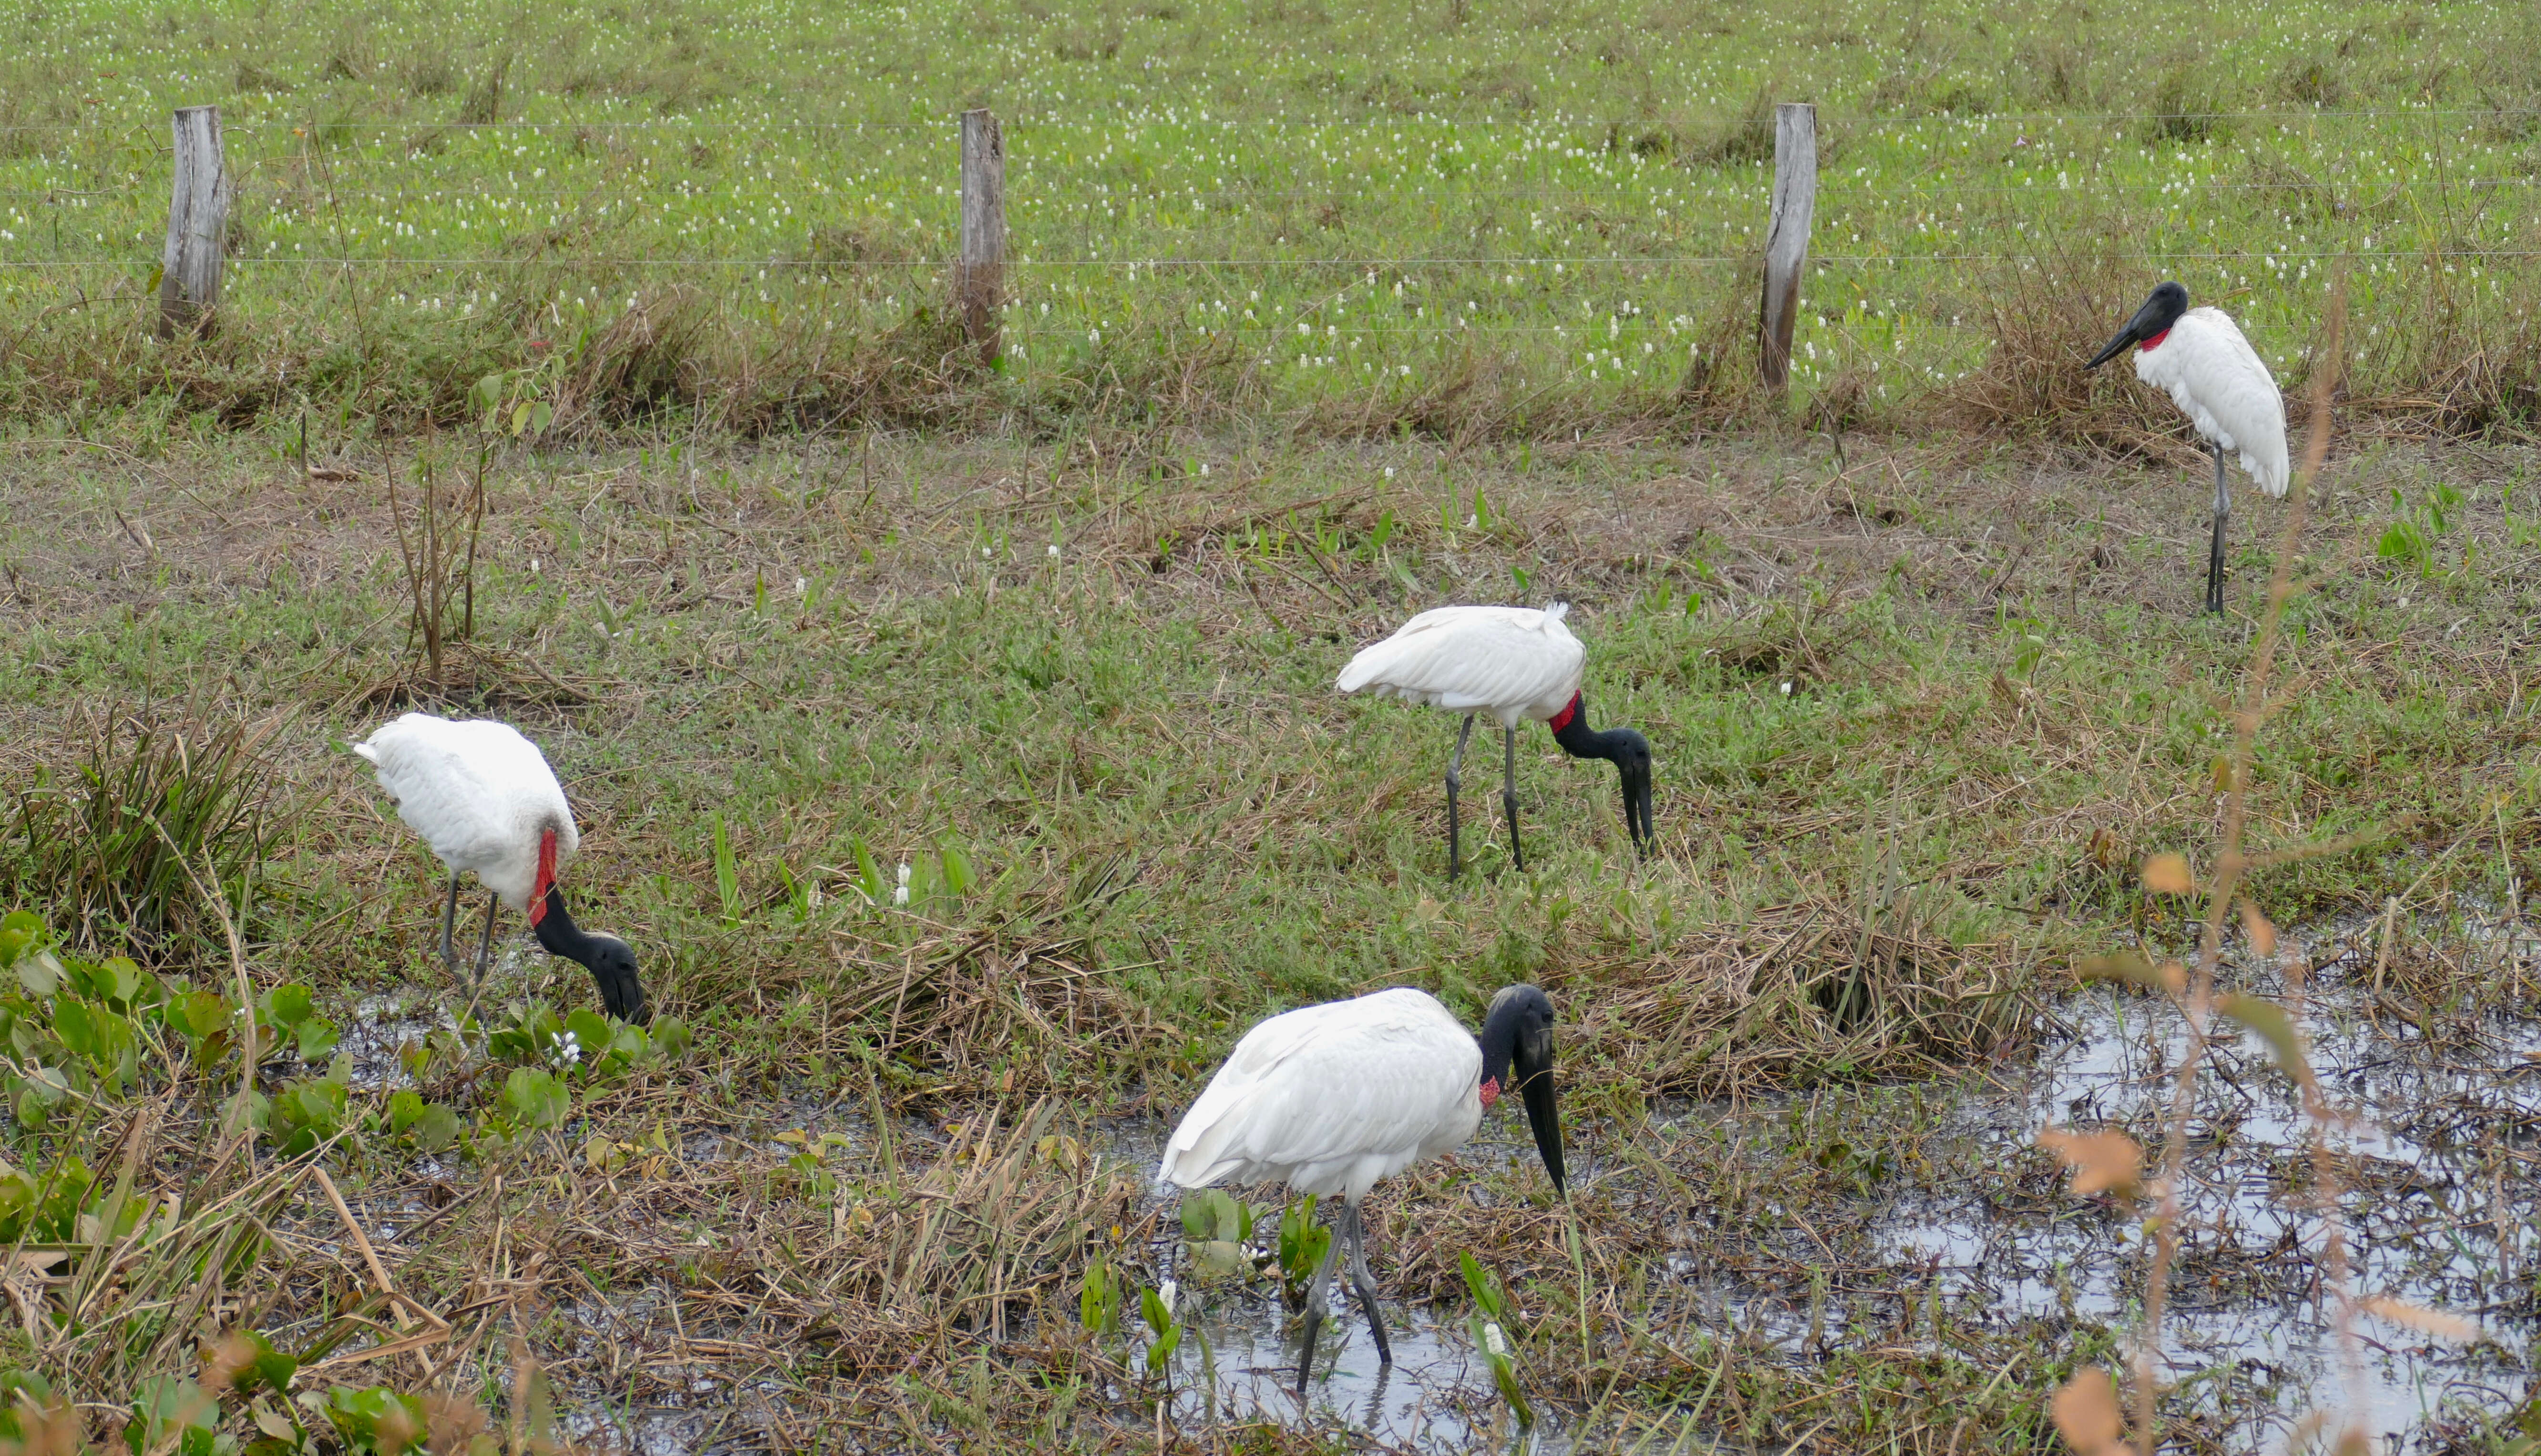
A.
pixel 478 792
pixel 2225 389
pixel 1514 662
pixel 1333 1098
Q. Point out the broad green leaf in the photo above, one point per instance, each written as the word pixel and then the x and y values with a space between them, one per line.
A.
pixel 288 1004
pixel 437 1129
pixel 535 1099
pixel 318 1036
pixel 22 928
pixel 1215 1261
pixel 77 1027
pixel 590 1029
pixel 40 973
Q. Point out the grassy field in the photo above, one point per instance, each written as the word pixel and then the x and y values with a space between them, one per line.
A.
pixel 1469 222
pixel 1085 696
pixel 1319 316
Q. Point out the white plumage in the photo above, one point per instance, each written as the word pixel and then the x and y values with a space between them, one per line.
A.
pixel 2218 380
pixel 1329 1098
pixel 1512 662
pixel 2214 377
pixel 479 793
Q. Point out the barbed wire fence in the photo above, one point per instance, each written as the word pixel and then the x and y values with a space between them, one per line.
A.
pixel 398 217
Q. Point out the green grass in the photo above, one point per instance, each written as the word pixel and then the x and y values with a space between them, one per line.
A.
pixel 1056 641
pixel 1084 696
pixel 1493 219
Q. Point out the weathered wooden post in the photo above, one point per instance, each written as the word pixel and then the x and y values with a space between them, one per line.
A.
pixel 198 217
pixel 979 278
pixel 1786 237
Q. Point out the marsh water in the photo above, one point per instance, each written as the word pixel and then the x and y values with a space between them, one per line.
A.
pixel 2436 1116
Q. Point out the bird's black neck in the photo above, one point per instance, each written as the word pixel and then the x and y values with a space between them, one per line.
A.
pixel 1571 730
pixel 557 931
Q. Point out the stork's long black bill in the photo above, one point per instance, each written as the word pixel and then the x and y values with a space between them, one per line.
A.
pixel 1543 1112
pixel 2150 322
pixel 1637 804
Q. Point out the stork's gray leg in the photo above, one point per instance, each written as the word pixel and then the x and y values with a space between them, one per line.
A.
pixel 1315 1308
pixel 1455 781
pixel 449 915
pixel 2215 555
pixel 1363 1283
pixel 1509 801
pixel 486 943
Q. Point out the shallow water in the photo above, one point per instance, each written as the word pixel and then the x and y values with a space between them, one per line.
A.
pixel 2426 1131
pixel 2430 1136
pixel 2438 1120
pixel 1437 1396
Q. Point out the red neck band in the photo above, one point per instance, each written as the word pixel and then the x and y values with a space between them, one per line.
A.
pixel 2155 343
pixel 1490 1090
pixel 547 877
pixel 1557 723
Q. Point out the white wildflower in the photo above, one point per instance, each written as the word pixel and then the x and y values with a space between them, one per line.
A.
pixel 899 895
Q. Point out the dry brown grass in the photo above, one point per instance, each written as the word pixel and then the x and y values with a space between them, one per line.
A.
pixel 1795 991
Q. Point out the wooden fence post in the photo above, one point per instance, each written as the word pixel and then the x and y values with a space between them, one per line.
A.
pixel 979 278
pixel 198 216
pixel 1786 237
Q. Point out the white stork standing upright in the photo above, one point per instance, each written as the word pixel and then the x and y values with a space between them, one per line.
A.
pixel 1329 1098
pixel 483 798
pixel 2220 383
pixel 1514 663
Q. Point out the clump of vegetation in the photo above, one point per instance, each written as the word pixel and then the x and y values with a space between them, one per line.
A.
pixel 155 841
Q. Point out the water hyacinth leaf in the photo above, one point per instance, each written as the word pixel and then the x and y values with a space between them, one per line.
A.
pixel 40 973
pixel 317 1036
pixel 590 1031
pixel 1215 1261
pixel 2102 1162
pixel 76 1025
pixel 405 1104
pixel 120 979
pixel 2085 1413
pixel 287 1005
pixel 2274 1027
pixel 21 929
pixel 437 1129
pixel 670 1036
pixel 2443 1323
pixel 2167 874
pixel 535 1099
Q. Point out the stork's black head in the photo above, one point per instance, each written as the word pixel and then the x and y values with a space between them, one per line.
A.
pixel 611 961
pixel 1629 751
pixel 2150 322
pixel 1517 1046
